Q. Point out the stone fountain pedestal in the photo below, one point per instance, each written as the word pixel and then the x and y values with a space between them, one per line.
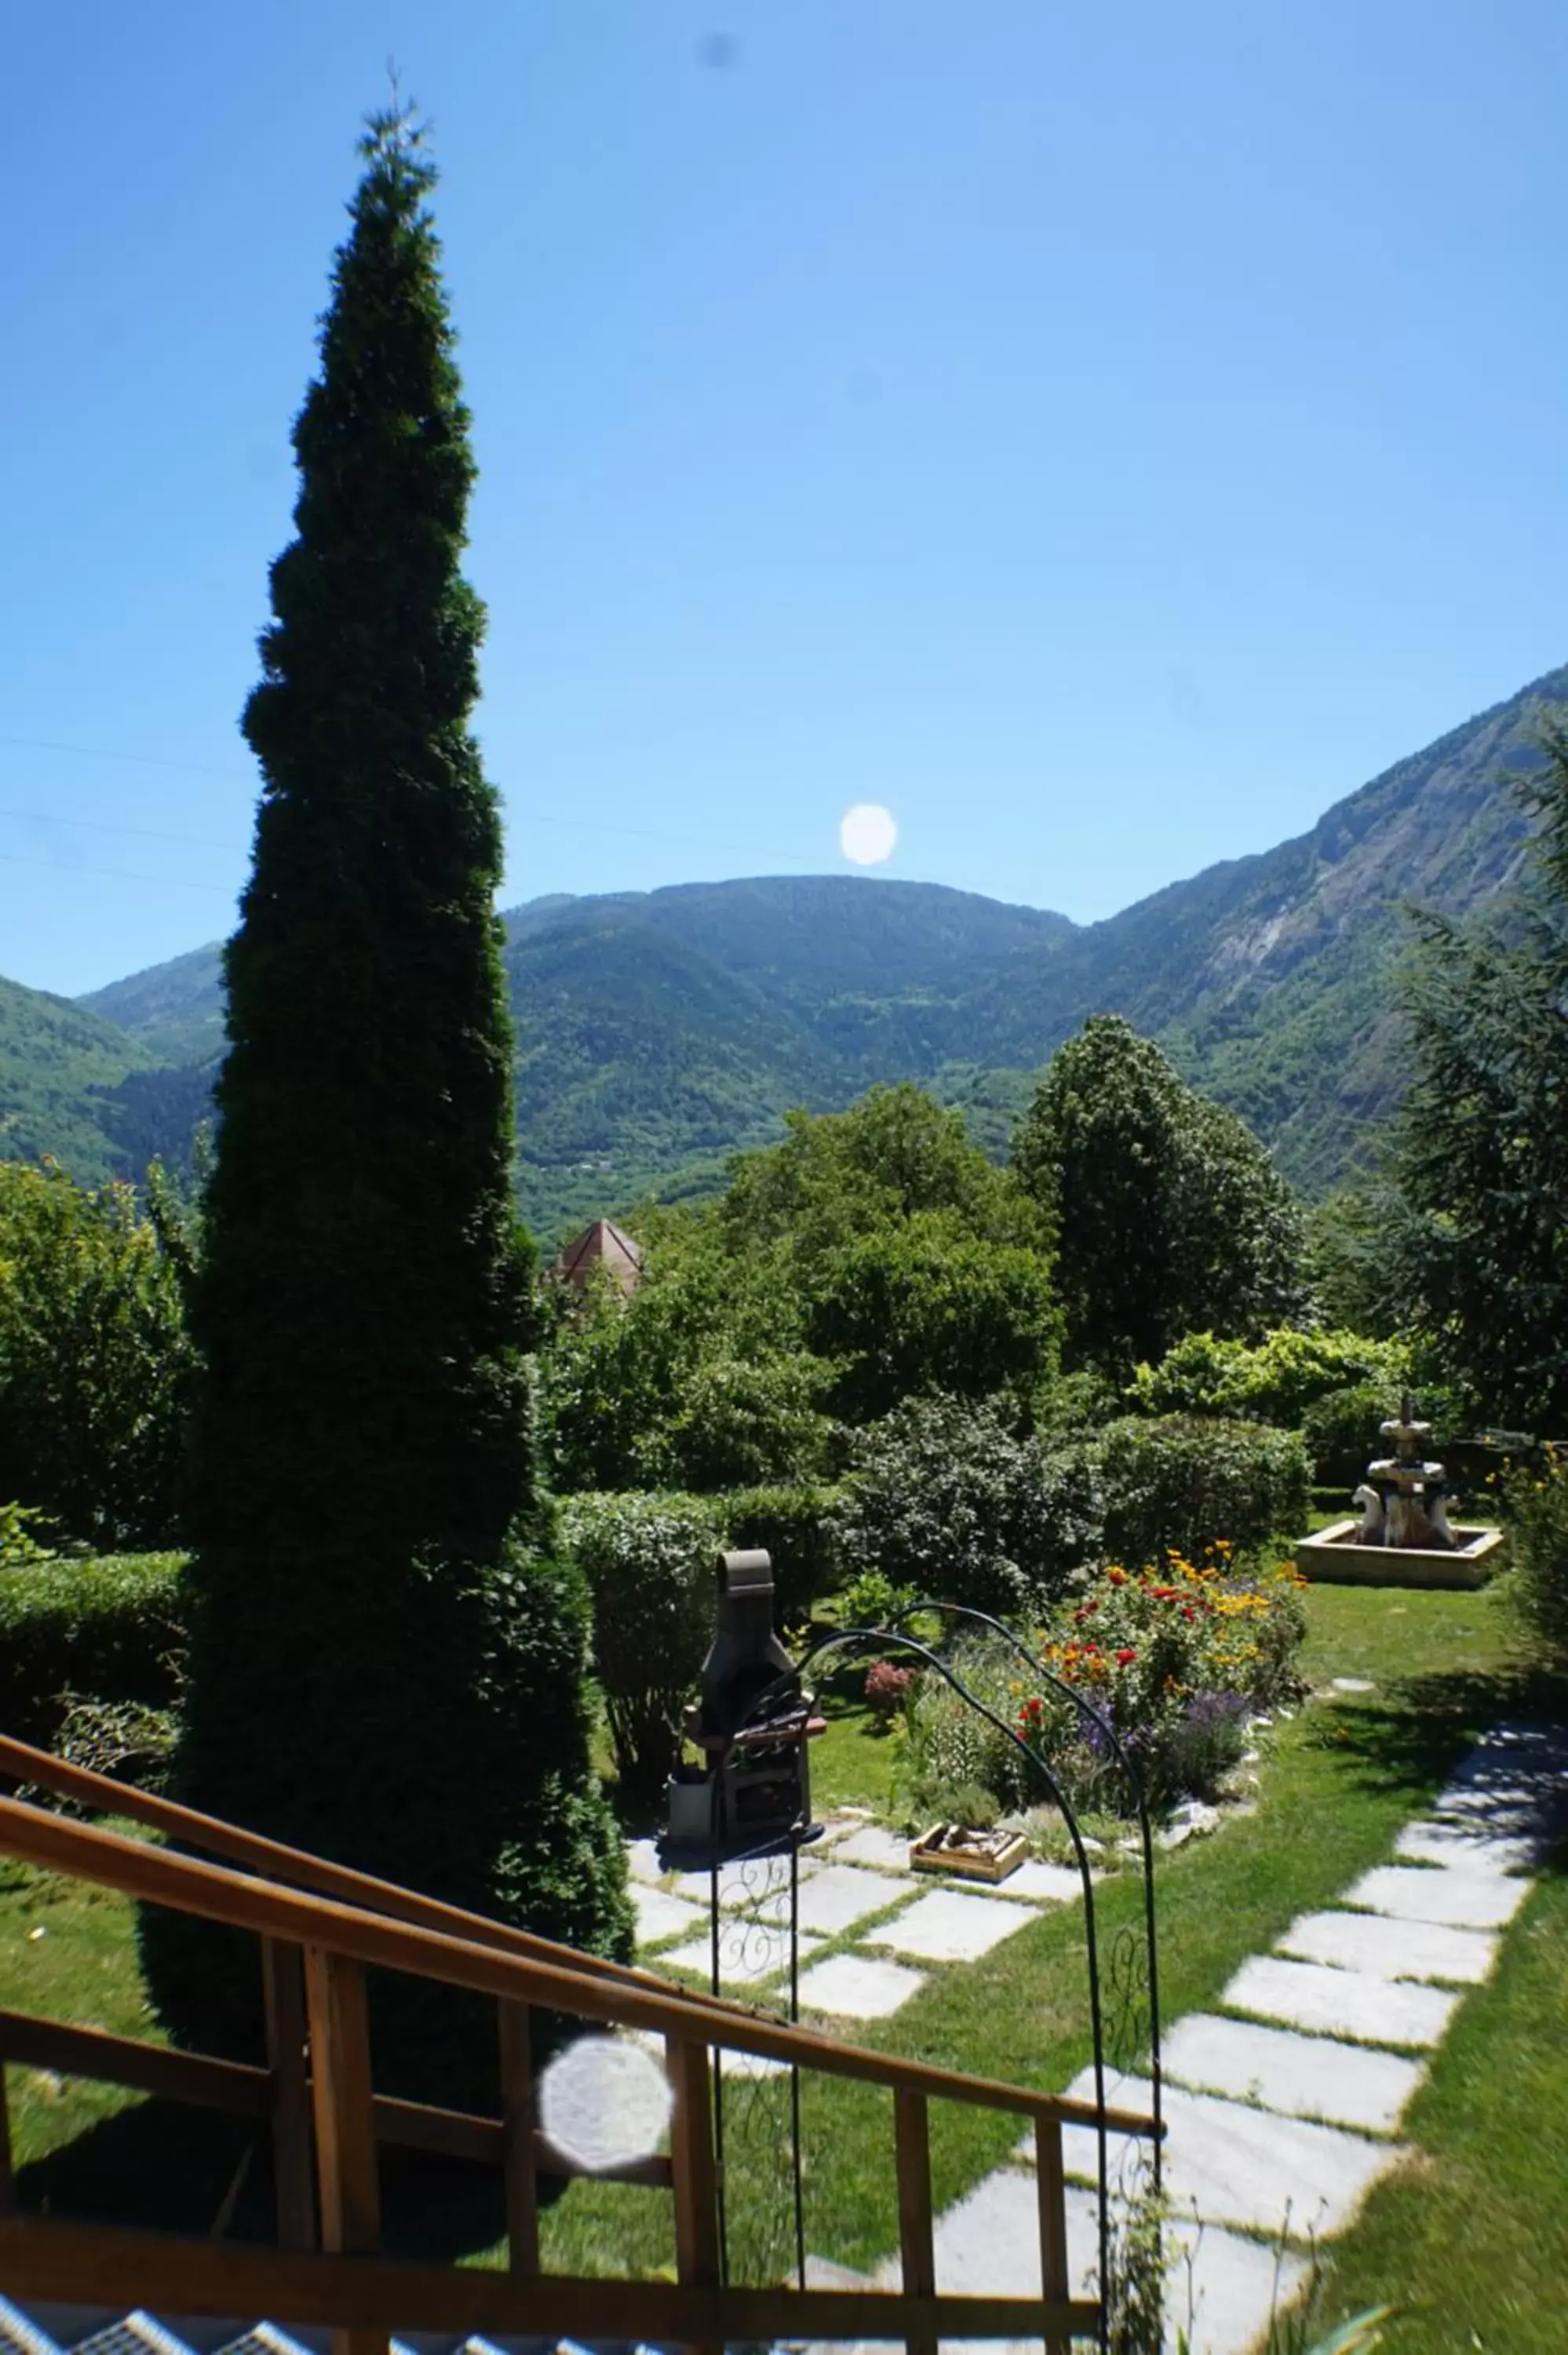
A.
pixel 1403 1537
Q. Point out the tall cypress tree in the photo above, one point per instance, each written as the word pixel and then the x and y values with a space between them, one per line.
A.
pixel 382 1669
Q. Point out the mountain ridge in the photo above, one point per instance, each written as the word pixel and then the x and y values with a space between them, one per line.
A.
pixel 660 1031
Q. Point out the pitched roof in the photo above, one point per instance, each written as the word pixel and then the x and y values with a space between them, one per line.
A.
pixel 604 1245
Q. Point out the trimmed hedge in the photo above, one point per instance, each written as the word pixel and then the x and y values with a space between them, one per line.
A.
pixel 799 1528
pixel 1187 1481
pixel 113 1627
pixel 647 1559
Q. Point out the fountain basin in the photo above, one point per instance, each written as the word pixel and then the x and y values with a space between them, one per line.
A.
pixel 1331 1557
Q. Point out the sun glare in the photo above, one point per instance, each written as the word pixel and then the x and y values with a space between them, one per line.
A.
pixel 867 833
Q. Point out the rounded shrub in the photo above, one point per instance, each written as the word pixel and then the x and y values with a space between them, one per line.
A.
pixel 1341 1432
pixel 798 1529
pixel 648 1562
pixel 949 1500
pixel 1182 1483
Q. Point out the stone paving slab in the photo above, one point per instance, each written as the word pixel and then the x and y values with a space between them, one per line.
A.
pixel 874 1844
pixel 761 1952
pixel 1467 1845
pixel 858 1987
pixel 947 1925
pixel 991 2242
pixel 1391 1949
pixel 1039 1884
pixel 660 1916
pixel 837 1896
pixel 1408 1893
pixel 1339 2003
pixel 643 1859
pixel 1304 2076
pixel 1233 2165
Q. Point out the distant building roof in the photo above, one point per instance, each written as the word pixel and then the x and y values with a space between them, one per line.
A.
pixel 604 1245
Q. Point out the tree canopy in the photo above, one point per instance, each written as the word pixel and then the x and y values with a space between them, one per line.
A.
pixel 1481 1161
pixel 874 1254
pixel 1170 1216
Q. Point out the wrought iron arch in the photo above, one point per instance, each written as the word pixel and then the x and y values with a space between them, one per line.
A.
pixel 1131 1976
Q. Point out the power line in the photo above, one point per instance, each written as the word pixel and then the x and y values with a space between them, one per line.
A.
pixel 138 760
pixel 207 769
pixel 119 874
pixel 103 825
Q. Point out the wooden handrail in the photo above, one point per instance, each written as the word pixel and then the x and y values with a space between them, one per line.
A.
pixel 295 1867
pixel 159 1877
pixel 321 1928
pixel 243 2091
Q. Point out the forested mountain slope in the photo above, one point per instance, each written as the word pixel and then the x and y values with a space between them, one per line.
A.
pixel 660 1031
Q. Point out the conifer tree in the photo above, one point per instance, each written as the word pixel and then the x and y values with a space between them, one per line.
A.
pixel 383 1667
pixel 1476 1240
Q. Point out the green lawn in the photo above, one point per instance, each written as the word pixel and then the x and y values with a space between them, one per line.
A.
pixel 1471 2237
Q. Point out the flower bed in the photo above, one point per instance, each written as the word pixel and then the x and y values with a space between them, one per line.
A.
pixel 1176 1658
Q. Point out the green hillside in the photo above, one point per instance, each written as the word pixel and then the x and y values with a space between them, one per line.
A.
pixel 658 1032
pixel 54 1059
pixel 174 1010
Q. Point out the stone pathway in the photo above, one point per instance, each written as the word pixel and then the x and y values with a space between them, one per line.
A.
pixel 864 1919
pixel 1284 2104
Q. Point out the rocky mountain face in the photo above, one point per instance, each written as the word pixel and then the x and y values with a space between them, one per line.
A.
pixel 660 1031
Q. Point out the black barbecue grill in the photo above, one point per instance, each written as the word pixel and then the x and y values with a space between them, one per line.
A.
pixel 751 1724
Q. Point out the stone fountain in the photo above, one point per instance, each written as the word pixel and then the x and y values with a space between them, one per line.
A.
pixel 1403 1537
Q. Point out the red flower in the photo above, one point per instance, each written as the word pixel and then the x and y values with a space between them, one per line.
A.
pixel 1116 1577
pixel 1188 1612
pixel 1125 1655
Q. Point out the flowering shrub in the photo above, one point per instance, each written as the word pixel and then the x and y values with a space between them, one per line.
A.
pixel 886 1688
pixel 1175 1657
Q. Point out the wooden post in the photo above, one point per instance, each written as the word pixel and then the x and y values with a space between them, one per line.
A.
pixel 283 1989
pixel 695 2178
pixel 345 2124
pixel 912 2145
pixel 8 2178
pixel 1051 2183
pixel 517 2138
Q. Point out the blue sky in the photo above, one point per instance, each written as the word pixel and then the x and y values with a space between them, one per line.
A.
pixel 1103 435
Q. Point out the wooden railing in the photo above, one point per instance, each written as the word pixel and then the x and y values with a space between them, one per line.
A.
pixel 319 1928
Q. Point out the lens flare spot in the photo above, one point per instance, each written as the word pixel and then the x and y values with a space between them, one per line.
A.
pixel 867 833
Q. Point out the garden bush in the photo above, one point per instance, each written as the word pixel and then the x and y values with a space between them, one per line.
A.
pixel 107 1628
pixel 1535 1496
pixel 741 1421
pixel 1184 1482
pixel 94 1357
pixel 1341 1431
pixel 648 1560
pixel 19 1545
pixel 1277 1381
pixel 800 1528
pixel 946 1498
